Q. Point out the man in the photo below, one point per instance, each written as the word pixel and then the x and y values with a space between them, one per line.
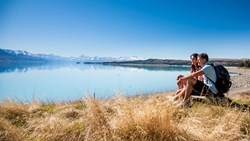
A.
pixel 192 84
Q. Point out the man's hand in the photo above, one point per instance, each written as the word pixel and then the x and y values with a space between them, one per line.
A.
pixel 180 81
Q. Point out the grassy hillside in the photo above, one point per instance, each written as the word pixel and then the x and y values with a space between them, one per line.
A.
pixel 121 118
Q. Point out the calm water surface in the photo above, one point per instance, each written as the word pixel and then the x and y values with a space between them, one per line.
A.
pixel 71 82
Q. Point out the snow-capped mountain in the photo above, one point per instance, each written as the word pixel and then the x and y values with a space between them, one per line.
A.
pixel 84 58
pixel 7 55
pixel 52 57
pixel 17 52
pixel 133 58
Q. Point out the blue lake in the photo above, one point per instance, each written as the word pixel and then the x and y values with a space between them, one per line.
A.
pixel 75 81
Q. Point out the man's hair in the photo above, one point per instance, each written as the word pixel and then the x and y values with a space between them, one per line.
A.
pixel 204 56
pixel 195 55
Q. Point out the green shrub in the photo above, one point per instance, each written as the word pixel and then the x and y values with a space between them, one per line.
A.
pixel 244 63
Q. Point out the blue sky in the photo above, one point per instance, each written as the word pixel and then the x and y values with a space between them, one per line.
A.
pixel 146 28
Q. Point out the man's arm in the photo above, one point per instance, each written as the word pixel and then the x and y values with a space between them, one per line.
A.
pixel 191 75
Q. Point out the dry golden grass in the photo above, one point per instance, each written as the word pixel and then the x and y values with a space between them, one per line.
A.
pixel 148 118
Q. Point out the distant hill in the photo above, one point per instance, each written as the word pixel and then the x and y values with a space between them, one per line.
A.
pixel 151 62
pixel 161 62
pixel 225 61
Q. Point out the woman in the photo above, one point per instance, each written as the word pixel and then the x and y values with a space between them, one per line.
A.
pixel 194 67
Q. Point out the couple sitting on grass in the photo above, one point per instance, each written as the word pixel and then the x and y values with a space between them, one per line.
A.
pixel 198 82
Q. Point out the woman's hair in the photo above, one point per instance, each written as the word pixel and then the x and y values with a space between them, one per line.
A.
pixel 195 55
pixel 194 67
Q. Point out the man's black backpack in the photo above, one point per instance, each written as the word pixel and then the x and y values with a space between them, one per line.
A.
pixel 223 82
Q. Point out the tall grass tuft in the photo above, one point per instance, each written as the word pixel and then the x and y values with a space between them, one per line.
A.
pixel 146 120
pixel 15 113
pixel 8 132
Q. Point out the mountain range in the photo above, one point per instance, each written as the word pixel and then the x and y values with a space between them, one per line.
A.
pixel 7 55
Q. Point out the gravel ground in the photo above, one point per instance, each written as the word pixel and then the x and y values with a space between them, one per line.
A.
pixel 241 83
